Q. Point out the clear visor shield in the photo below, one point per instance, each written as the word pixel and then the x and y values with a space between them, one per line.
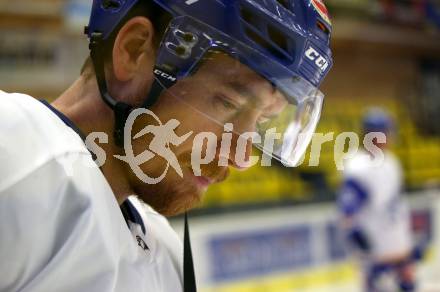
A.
pixel 222 85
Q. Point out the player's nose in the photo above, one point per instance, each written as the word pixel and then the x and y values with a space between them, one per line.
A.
pixel 240 154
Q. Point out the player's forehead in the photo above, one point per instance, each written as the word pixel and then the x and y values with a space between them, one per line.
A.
pixel 224 71
pixel 225 68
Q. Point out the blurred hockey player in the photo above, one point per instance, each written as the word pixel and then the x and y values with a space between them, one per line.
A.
pixel 375 217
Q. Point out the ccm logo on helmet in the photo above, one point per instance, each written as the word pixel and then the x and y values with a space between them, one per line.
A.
pixel 164 75
pixel 319 60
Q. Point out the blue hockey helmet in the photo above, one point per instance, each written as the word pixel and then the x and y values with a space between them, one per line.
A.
pixel 285 41
pixel 377 120
pixel 293 33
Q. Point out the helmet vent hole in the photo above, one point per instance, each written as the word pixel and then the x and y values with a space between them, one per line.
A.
pixel 278 38
pixel 264 44
pixel 322 27
pixel 111 4
pixel 247 15
pixel 265 35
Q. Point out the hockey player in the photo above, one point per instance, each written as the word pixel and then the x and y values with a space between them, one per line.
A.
pixel 375 216
pixel 198 67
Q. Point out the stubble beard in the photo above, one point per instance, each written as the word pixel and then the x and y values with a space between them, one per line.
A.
pixel 175 195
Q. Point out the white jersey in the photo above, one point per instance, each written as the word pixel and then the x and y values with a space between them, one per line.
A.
pixel 372 193
pixel 61 228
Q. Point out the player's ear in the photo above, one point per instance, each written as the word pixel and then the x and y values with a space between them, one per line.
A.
pixel 133 44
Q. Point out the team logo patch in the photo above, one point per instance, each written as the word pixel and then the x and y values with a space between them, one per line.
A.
pixel 142 243
pixel 322 10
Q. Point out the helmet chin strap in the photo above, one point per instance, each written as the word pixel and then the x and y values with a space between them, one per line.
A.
pixel 121 109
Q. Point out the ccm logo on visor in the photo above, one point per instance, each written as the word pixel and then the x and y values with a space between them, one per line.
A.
pixel 164 75
pixel 319 60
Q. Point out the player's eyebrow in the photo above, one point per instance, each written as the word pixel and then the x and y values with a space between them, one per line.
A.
pixel 244 91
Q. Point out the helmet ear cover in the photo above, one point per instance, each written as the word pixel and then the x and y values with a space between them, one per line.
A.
pixel 108 19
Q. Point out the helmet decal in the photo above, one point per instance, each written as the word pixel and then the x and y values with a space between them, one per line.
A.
pixel 322 10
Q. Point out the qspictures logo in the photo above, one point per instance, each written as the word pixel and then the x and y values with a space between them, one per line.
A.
pixel 163 137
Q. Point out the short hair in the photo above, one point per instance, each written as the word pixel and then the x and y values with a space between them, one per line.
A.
pixel 159 17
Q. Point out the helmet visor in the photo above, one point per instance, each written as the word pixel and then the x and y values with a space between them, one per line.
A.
pixel 226 83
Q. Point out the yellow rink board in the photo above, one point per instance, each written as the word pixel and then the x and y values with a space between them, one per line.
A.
pixel 295 281
pixel 332 274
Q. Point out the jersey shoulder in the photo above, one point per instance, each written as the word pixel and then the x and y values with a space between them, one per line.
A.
pixel 31 135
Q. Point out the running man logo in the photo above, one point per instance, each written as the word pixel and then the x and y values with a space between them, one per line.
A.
pixel 163 137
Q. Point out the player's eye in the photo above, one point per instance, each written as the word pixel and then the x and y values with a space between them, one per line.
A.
pixel 226 103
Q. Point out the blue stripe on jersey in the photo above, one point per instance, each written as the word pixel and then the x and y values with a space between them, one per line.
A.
pixel 352 197
pixel 131 213
pixel 65 119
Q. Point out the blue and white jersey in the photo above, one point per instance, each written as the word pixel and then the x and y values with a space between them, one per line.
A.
pixel 61 228
pixel 371 197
